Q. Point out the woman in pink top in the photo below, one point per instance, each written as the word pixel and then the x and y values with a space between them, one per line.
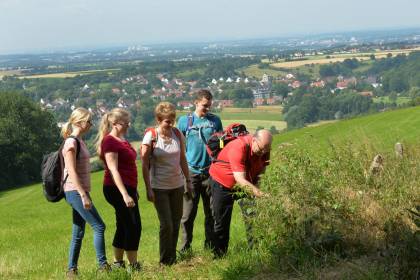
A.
pixel 77 188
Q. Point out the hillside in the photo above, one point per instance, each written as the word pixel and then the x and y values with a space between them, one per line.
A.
pixel 332 215
pixel 324 219
pixel 35 236
pixel 382 130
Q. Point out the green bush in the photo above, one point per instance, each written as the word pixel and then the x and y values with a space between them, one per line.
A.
pixel 324 208
pixel 26 134
pixel 96 165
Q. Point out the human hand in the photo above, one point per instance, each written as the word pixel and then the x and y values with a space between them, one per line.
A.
pixel 189 188
pixel 129 202
pixel 265 195
pixel 87 203
pixel 257 192
pixel 150 195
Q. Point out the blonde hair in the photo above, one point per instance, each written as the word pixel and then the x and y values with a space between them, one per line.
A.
pixel 77 116
pixel 105 127
pixel 165 110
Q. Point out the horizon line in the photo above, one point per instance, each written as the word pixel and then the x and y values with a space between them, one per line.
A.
pixel 95 47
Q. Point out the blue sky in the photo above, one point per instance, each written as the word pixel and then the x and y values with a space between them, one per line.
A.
pixel 33 25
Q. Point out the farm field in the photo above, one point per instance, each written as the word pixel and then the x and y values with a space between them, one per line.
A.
pixel 252 125
pixel 260 116
pixel 318 59
pixel 254 71
pixel 310 66
pixel 67 74
pixel 185 74
pixel 9 73
pixel 332 59
pixel 385 99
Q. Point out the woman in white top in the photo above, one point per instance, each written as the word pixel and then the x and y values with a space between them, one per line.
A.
pixel 77 188
pixel 165 168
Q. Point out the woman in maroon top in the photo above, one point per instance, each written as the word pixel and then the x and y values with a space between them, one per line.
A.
pixel 120 184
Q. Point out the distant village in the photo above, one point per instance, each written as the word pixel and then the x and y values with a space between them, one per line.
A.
pixel 182 91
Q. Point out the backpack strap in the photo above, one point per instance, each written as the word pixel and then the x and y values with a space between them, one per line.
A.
pixel 190 122
pixel 77 154
pixel 153 130
pixel 77 146
pixel 177 132
pixel 248 161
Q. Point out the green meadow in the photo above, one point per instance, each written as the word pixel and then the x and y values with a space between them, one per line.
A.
pixel 260 116
pixel 256 72
pixel 35 236
pixel 382 130
pixel 325 217
pixel 400 100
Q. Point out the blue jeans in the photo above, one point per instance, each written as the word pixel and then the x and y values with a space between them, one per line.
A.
pixel 80 217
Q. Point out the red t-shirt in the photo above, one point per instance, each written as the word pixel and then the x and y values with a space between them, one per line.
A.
pixel 237 156
pixel 126 161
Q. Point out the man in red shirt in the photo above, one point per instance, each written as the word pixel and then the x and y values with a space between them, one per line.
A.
pixel 239 164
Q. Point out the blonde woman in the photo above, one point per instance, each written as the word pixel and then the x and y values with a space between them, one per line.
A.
pixel 164 166
pixel 77 188
pixel 120 184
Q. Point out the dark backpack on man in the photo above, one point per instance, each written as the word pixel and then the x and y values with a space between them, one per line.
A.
pixel 52 169
pixel 219 140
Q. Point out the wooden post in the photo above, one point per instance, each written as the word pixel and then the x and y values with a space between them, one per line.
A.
pixel 399 150
pixel 377 165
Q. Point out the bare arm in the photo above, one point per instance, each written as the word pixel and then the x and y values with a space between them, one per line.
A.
pixel 111 159
pixel 247 185
pixel 70 163
pixel 184 165
pixel 146 151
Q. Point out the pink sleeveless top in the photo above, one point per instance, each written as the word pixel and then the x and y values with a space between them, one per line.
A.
pixel 82 165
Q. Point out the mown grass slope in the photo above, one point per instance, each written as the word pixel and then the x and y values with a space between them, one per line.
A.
pixel 381 130
pixel 35 235
pixel 325 219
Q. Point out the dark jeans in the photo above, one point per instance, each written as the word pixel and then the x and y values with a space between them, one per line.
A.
pixel 168 204
pixel 128 232
pixel 80 217
pixel 223 200
pixel 200 185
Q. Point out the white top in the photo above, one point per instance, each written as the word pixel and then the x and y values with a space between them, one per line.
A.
pixel 165 163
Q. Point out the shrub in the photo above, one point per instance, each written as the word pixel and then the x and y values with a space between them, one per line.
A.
pixel 26 134
pixel 324 207
pixel 96 165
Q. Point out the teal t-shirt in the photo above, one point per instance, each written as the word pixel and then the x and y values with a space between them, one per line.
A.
pixel 196 137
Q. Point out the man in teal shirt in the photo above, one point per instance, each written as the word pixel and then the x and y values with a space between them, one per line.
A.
pixel 197 128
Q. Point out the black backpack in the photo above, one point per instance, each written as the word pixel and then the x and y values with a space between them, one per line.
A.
pixel 52 169
pixel 219 140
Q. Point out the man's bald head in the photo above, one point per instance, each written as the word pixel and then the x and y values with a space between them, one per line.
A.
pixel 264 138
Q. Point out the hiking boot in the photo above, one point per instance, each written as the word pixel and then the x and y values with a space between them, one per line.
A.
pixel 134 267
pixel 72 273
pixel 118 264
pixel 105 268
